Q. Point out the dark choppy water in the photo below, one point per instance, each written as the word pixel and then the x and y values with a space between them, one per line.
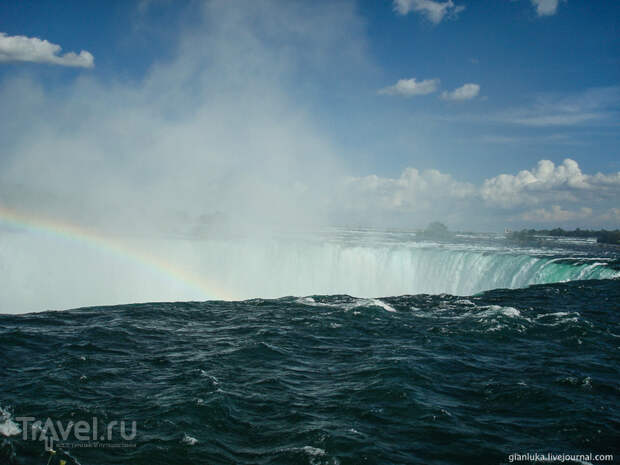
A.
pixel 324 380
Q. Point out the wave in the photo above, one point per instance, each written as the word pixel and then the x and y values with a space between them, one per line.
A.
pixel 322 379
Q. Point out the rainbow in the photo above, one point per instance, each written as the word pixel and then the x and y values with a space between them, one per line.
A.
pixel 210 289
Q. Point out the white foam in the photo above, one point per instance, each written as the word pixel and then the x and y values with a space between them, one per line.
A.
pixel 7 426
pixel 510 311
pixel 587 383
pixel 558 314
pixel 313 303
pixel 494 310
pixel 383 305
pixel 213 379
pixel 558 318
pixel 356 303
pixel 497 327
pixel 189 440
pixel 315 451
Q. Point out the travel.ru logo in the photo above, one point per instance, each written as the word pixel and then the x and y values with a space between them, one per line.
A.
pixel 79 434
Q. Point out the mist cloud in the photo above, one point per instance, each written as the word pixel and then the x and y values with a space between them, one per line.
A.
pixel 216 132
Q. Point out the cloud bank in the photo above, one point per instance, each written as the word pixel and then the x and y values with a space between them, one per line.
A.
pixel 546 194
pixel 34 50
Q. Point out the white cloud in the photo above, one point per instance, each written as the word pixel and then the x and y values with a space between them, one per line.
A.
pixel 413 190
pixel 548 182
pixel 545 194
pixel 411 87
pixel 527 186
pixel 465 92
pixel 434 11
pixel 32 49
pixel 545 7
pixel 413 198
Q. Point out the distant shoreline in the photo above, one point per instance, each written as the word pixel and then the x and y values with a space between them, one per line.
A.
pixel 602 236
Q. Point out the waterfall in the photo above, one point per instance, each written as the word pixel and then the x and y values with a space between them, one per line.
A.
pixel 42 271
pixel 297 268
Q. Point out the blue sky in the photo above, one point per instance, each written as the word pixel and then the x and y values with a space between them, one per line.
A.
pixel 542 82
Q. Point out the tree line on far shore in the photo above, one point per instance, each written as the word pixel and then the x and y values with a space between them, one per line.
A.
pixel 602 236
